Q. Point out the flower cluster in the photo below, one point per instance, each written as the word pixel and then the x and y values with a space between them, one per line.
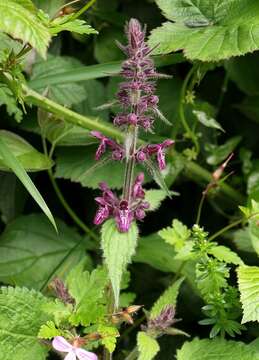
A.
pixel 139 107
pixel 122 210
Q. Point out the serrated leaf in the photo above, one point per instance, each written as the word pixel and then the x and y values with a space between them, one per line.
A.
pixel 224 29
pixel 109 335
pixel 65 94
pixel 118 249
pixel 176 235
pixel 248 283
pixel 22 24
pixel 20 320
pixel 167 298
pixel 27 155
pixel 67 23
pixel 48 331
pixel 31 250
pixel 88 291
pixel 59 311
pixel 148 347
pixel 216 349
pixel 226 255
pixel 154 198
pixel 207 121
pixel 7 99
pixel 14 164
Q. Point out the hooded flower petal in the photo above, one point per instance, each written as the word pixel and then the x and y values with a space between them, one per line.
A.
pixel 61 344
pixel 85 355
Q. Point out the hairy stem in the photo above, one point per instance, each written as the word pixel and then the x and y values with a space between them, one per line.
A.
pixel 133 354
pixel 130 164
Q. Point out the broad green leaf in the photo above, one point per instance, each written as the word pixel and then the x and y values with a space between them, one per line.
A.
pixel 244 72
pixel 224 254
pixel 28 156
pixel 65 94
pixel 176 235
pixel 148 347
pixel 242 240
pixel 248 283
pixel 253 226
pixel 90 72
pixel 203 118
pixel 118 249
pixel 219 153
pixel 21 23
pixel 28 4
pixel 208 30
pixel 31 251
pixel 88 291
pixel 20 320
pixel 14 164
pixel 167 298
pixel 66 23
pixel 12 197
pixel 154 198
pixel 216 349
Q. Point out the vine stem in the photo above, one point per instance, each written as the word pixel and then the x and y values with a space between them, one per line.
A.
pixel 232 225
pixel 83 9
pixel 200 209
pixel 64 203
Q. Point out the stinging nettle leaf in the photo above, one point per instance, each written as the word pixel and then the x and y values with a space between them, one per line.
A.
pixel 208 30
pixel 154 198
pixel 118 249
pixel 20 320
pixel 248 283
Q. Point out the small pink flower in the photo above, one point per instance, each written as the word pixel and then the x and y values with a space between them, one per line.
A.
pixel 73 353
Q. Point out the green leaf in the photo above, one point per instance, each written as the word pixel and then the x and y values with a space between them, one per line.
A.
pixel 176 235
pixel 7 99
pixel 20 320
pixel 244 72
pixel 14 164
pixel 31 251
pixel 223 253
pixel 48 331
pixel 67 23
pixel 59 311
pixel 218 153
pixel 118 249
pixel 109 335
pixel 242 240
pixel 148 347
pixel 22 24
pixel 248 283
pixel 216 349
pixel 167 298
pixel 224 30
pixel 154 198
pixel 210 122
pixel 66 94
pixel 88 291
pixel 28 156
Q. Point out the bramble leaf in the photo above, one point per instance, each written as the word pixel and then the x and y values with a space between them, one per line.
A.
pixel 118 249
pixel 208 30
pixel 23 24
pixel 148 347
pixel 216 349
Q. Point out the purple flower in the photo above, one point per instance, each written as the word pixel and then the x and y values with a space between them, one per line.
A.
pixel 123 211
pixel 117 150
pixel 155 149
pixel 73 352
